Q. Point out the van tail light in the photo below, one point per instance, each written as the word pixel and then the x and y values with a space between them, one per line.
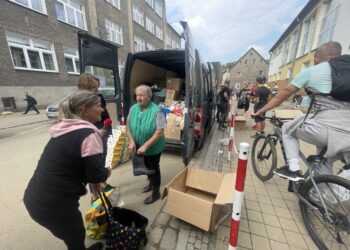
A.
pixel 197 121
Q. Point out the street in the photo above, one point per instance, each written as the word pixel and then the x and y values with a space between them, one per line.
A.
pixel 20 149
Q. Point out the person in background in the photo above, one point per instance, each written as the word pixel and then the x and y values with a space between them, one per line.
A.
pixel 274 90
pixel 71 159
pixel 262 96
pixel 224 97
pixel 31 102
pixel 91 83
pixel 145 130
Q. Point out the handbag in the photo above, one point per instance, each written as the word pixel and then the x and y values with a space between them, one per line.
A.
pixel 138 165
pixel 126 229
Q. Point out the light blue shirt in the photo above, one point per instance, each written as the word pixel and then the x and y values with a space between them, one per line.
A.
pixel 318 77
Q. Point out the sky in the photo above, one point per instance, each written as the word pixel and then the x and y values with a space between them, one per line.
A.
pixel 224 30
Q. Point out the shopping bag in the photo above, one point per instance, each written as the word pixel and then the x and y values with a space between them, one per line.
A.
pixel 138 165
pixel 126 229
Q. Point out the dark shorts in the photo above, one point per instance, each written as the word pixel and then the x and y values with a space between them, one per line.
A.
pixel 256 109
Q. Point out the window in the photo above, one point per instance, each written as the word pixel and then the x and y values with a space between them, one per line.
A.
pixel 168 40
pixel 149 25
pixel 246 61
pixel 115 3
pixel 31 54
pixel 254 61
pixel 285 52
pixel 71 59
pixel 121 68
pixel 137 16
pixel 114 32
pixel 238 74
pixel 150 46
pixel 150 3
pixel 158 8
pixel 71 13
pixel 261 72
pixel 37 5
pixel 309 26
pixel 329 21
pixel 294 46
pixel 139 44
pixel 159 32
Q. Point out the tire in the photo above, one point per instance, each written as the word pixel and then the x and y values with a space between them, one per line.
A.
pixel 269 166
pixel 316 224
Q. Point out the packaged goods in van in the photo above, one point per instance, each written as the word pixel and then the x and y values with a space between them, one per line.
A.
pixel 172 95
pixel 173 120
pixel 172 132
pixel 173 83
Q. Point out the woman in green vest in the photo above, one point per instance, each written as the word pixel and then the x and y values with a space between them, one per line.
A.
pixel 145 130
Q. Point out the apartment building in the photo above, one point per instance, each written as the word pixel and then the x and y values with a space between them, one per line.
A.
pixel 248 68
pixel 39 42
pixel 318 22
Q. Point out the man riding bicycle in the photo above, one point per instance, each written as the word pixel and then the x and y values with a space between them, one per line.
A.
pixel 328 126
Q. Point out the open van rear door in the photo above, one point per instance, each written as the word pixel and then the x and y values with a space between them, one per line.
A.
pixel 190 81
pixel 96 52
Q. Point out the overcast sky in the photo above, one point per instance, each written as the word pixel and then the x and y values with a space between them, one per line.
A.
pixel 223 30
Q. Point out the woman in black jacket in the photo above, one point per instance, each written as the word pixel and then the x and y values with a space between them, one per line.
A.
pixel 71 159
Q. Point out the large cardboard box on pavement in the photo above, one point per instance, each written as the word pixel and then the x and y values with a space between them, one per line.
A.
pixel 287 113
pixel 197 196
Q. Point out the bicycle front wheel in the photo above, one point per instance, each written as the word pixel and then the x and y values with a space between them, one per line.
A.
pixel 264 157
pixel 332 230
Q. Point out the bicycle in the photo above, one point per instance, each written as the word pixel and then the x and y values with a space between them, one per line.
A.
pixel 324 200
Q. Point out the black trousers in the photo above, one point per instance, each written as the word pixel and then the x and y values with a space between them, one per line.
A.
pixel 64 223
pixel 29 107
pixel 152 162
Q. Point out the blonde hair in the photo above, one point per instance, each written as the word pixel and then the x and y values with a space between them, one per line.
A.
pixel 71 108
pixel 85 81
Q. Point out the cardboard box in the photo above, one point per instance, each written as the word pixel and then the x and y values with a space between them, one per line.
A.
pixel 173 120
pixel 287 114
pixel 240 122
pixel 173 83
pixel 196 196
pixel 172 132
pixel 240 112
pixel 172 94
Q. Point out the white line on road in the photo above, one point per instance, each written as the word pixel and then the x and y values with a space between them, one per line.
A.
pixel 25 132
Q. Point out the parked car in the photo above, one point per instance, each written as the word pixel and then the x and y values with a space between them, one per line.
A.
pixel 52 110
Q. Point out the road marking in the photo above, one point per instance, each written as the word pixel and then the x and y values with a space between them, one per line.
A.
pixel 25 132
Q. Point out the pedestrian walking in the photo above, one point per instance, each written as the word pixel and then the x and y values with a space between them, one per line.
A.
pixel 31 102
pixel 145 130
pixel 224 97
pixel 71 159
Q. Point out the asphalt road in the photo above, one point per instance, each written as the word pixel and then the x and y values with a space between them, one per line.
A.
pixel 20 149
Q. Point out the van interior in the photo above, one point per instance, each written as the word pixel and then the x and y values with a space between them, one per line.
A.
pixel 154 68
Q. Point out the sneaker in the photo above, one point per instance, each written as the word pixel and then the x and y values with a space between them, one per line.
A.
pixel 284 172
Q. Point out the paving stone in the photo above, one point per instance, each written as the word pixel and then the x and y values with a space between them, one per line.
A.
pixel 275 194
pixel 182 239
pixel 267 209
pixel 190 246
pixel 296 215
pixel 295 239
pixel 302 228
pixel 275 233
pixel 175 223
pixel 260 243
pixel 155 235
pixel 198 244
pixel 222 232
pixel 257 228
pixel 283 212
pixel 168 241
pixel 292 205
pixel 205 239
pixel 204 246
pixel 185 225
pixel 193 233
pixel 255 216
pixel 289 225
pixel 264 199
pixel 244 213
pixel 163 219
pixel 271 220
pixel 244 240
pixel 250 196
pixel 279 202
pixel 192 239
pixel 253 205
pixel 275 245
pixel 243 225
pixel 199 235
pixel 310 243
pixel 149 247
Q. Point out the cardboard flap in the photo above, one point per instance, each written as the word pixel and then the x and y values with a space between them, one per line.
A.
pixel 287 114
pixel 204 180
pixel 177 182
pixel 226 191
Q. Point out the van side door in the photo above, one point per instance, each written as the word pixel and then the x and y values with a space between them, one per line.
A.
pixel 190 81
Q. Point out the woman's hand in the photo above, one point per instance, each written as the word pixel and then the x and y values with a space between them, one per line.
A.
pixel 142 150
pixel 132 145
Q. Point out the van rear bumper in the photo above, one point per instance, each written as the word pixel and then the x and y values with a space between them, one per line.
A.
pixel 173 144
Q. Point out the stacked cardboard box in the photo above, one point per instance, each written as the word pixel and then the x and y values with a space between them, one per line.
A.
pixel 173 129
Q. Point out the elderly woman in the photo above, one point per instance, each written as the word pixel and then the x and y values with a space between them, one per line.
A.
pixel 145 131
pixel 71 159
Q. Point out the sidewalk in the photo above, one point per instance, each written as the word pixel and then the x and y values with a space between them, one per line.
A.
pixel 270 217
pixel 17 119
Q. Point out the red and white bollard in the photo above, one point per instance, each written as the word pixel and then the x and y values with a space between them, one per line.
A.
pixel 239 194
pixel 232 135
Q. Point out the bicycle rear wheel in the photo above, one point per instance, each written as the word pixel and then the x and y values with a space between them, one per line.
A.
pixel 264 157
pixel 335 191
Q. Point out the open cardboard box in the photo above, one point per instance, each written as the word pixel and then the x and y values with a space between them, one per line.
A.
pixel 287 113
pixel 197 196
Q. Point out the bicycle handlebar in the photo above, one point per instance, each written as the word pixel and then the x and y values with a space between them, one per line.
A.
pixel 279 121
